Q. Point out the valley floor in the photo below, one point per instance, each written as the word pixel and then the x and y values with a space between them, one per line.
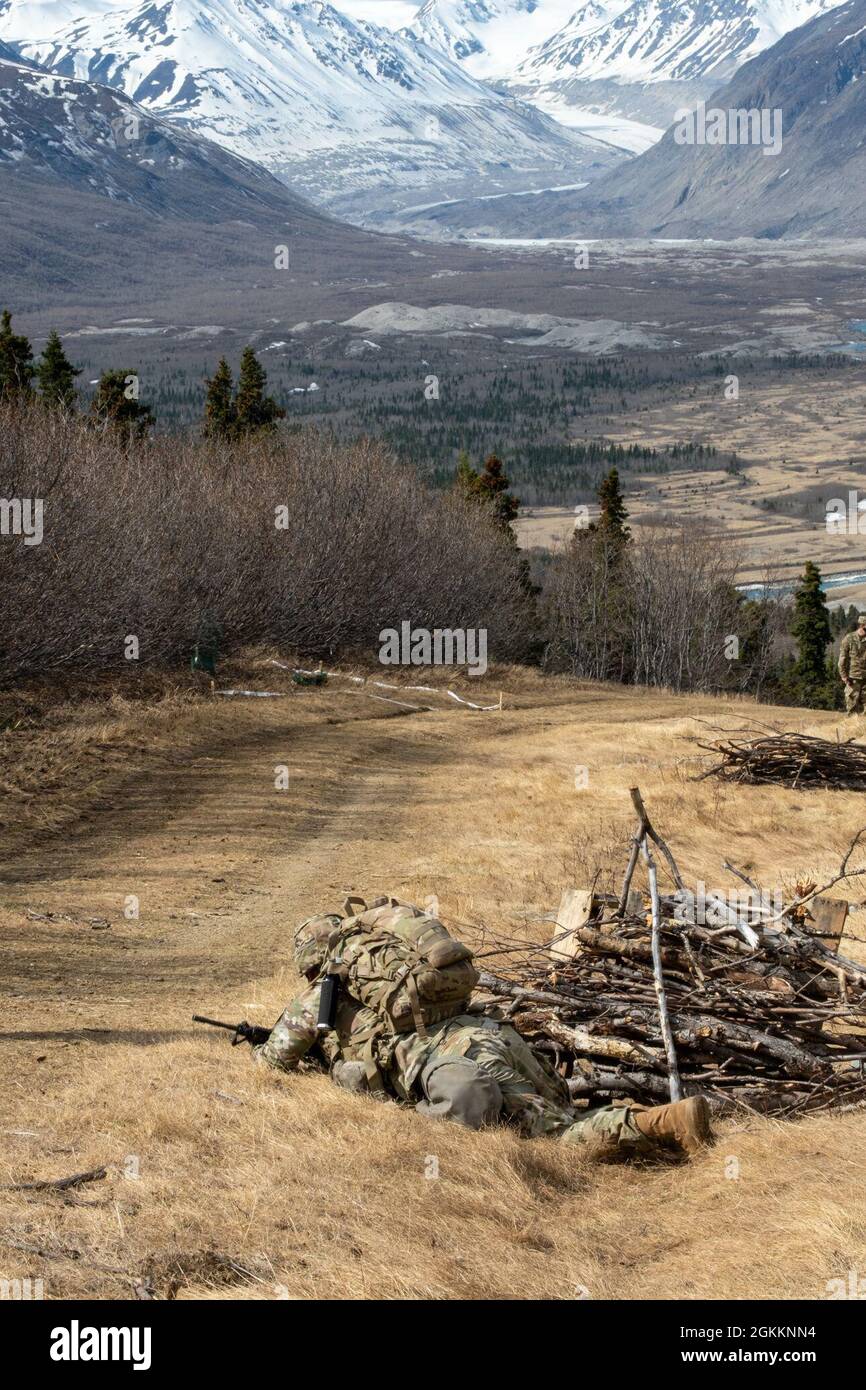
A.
pixel 227 1182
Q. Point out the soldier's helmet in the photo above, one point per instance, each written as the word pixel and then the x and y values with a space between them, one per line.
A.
pixel 312 942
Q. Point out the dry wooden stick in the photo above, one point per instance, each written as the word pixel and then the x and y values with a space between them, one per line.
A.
pixel 647 828
pixel 645 831
pixel 674 1082
pixel 629 873
pixel 843 874
pixel 59 1184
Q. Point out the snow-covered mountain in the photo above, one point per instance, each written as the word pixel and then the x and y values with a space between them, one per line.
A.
pixel 343 110
pixel 85 137
pixel 815 77
pixel 125 228
pixel 636 58
pixel 625 40
pixel 490 37
pixel 474 99
pixel 663 40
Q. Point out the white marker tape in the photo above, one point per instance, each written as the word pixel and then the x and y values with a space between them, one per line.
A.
pixel 258 694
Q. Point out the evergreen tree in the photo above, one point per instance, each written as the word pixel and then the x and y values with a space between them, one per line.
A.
pixel 253 409
pixel 843 619
pixel 613 513
pixel 16 361
pixel 811 683
pixel 220 415
pixel 489 487
pixel 116 405
pixel 466 477
pixel 492 488
pixel 599 554
pixel 56 374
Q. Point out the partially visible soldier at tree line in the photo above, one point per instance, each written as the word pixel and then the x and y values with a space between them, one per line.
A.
pixel 852 667
pixel 468 1067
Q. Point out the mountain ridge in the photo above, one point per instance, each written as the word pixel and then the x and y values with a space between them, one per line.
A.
pixel 815 77
pixel 639 59
pixel 156 220
pixel 337 107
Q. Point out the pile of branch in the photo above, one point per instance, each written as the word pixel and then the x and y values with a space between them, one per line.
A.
pixel 650 1000
pixel 789 760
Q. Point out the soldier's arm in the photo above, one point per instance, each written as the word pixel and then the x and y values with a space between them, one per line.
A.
pixel 844 658
pixel 294 1032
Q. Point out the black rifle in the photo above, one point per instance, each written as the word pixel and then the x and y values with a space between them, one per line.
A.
pixel 243 1032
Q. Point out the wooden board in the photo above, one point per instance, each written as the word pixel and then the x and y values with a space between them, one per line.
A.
pixel 636 903
pixel 828 918
pixel 575 910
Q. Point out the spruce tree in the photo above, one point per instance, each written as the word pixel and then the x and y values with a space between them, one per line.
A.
pixel 220 415
pixel 611 522
pixel 466 478
pixel 811 628
pixel 253 409
pixel 116 406
pixel 16 362
pixel 599 553
pixel 493 489
pixel 56 374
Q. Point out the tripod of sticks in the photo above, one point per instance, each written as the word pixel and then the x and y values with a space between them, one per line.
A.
pixel 747 1005
pixel 643 837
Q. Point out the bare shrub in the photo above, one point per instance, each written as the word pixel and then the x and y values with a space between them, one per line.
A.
pixel 169 537
pixel 657 612
pixel 682 606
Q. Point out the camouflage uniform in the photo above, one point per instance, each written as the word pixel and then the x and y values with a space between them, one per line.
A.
pixel 852 667
pixel 470 1069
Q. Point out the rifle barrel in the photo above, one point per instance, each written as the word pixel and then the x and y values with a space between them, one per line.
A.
pixel 214 1022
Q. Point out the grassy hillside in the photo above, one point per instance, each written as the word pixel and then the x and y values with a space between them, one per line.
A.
pixel 227 1182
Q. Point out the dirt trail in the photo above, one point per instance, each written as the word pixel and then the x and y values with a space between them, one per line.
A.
pixel 223 865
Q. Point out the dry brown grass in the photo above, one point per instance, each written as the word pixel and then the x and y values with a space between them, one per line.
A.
pixel 256 1186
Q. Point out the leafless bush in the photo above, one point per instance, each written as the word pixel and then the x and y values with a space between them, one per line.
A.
pixel 173 537
pixel 588 621
pixel 682 609
pixel 660 611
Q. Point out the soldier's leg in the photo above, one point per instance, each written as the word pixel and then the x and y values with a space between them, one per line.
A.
pixel 506 1058
pixel 538 1103
pixel 456 1089
pixel 609 1130
pixel 625 1130
pixel 510 1066
pixel 854 697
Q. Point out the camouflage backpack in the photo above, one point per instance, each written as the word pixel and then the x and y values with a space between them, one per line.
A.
pixel 402 963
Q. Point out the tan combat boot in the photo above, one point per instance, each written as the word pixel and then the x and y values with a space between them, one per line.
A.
pixel 683 1125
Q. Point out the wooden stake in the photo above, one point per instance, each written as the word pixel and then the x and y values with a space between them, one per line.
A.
pixel 674 1082
pixel 629 874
